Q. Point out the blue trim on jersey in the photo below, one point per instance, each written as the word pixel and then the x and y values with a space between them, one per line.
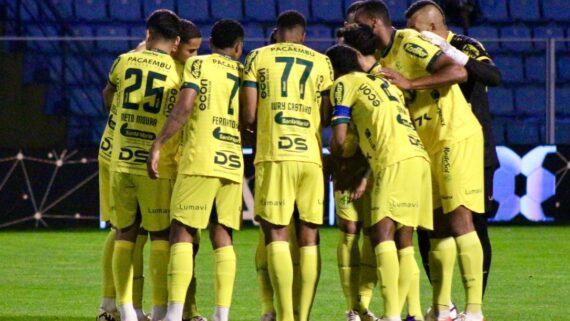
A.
pixel 248 83
pixel 191 86
pixel 342 111
pixel 340 120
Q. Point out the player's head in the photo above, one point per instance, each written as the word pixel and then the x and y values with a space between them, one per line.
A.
pixel 361 38
pixel 291 26
pixel 350 11
pixel 273 37
pixel 373 13
pixel 340 35
pixel 343 59
pixel 426 15
pixel 227 36
pixel 163 26
pixel 190 41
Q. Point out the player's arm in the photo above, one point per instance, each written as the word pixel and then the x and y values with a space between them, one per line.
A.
pixel 249 90
pixel 338 137
pixel 178 116
pixel 485 71
pixel 444 72
pixel 326 105
pixel 108 94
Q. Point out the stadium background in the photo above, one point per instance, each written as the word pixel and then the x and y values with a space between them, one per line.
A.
pixel 55 55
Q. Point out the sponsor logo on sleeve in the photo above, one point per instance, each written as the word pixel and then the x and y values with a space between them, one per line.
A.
pixel 415 50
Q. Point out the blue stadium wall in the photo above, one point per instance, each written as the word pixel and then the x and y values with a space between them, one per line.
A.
pixel 60 188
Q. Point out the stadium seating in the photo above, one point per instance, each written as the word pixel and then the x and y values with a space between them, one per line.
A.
pixel 511 68
pixel 327 10
pixel 525 10
pixel 563 101
pixel 260 10
pixel 90 10
pixel 49 47
pixel 300 5
pixel 73 70
pixel 84 31
pixel 501 101
pixel 530 100
pixel 516 31
pixel 254 31
pixel 562 134
pixel 499 132
pixel 483 33
pixel 397 10
pixel 125 10
pixel 523 132
pixel 494 10
pixel 82 97
pixel 63 7
pixel 28 10
pixel 556 10
pixel 112 31
pixel 229 9
pixel 316 32
pixel 535 68
pixel 563 68
pixel 195 10
pixel 150 5
pixel 548 31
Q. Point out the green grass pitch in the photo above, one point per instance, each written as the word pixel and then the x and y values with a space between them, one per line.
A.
pixel 47 276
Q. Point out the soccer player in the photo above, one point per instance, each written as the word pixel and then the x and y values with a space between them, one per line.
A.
pixel 208 188
pixel 146 85
pixel 284 87
pixel 363 40
pixel 399 163
pixel 453 139
pixel 426 15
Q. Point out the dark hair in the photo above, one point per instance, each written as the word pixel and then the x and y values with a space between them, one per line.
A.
pixel 353 7
pixel 188 30
pixel 343 59
pixel 340 33
pixel 164 23
pixel 376 9
pixel 226 32
pixel 273 36
pixel 417 6
pixel 361 38
pixel 290 19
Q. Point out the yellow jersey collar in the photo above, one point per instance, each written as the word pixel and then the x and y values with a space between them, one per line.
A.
pixel 390 44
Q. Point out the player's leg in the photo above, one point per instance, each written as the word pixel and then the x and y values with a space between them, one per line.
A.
pixel 481 227
pixel 424 247
pixel 409 278
pixel 294 226
pixel 310 200
pixel 190 307
pixel 124 217
pixel 263 280
pixel 228 218
pixel 138 273
pixel 368 276
pixel 190 207
pixel 273 209
pixel 348 256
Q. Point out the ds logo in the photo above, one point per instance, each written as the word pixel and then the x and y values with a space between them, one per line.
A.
pixel 133 155
pixel 227 159
pixel 296 144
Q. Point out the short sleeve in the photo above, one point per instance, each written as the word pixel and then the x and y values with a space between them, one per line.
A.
pixel 192 74
pixel 328 77
pixel 342 100
pixel 115 72
pixel 250 70
pixel 422 52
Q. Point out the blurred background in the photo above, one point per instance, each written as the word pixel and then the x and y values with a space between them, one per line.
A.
pixel 55 56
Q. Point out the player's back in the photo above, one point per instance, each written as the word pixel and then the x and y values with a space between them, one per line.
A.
pixel 386 134
pixel 291 79
pixel 212 143
pixel 440 114
pixel 147 86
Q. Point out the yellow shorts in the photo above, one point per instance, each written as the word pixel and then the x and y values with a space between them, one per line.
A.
pixel 458 175
pixel 402 192
pixel 281 185
pixel 193 201
pixel 131 192
pixel 357 211
pixel 104 193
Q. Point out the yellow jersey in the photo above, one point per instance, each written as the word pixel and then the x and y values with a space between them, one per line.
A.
pixel 212 141
pixel 440 115
pixel 386 133
pixel 291 80
pixel 106 144
pixel 147 86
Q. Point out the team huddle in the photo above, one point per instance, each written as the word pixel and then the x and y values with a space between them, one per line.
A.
pixel 407 154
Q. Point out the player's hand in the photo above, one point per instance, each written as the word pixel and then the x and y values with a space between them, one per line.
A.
pixel 436 40
pixel 359 190
pixel 396 78
pixel 152 162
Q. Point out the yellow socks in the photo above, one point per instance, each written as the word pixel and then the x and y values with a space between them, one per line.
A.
pixel 409 282
pixel 441 261
pixel 281 273
pixel 190 307
pixel 310 271
pixel 225 275
pixel 471 264
pixel 348 258
pixel 295 256
pixel 180 271
pixel 388 271
pixel 266 291
pixel 158 264
pixel 138 271
pixel 108 287
pixel 368 276
pixel 123 277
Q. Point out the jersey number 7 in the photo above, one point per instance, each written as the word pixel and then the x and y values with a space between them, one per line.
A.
pixel 289 61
